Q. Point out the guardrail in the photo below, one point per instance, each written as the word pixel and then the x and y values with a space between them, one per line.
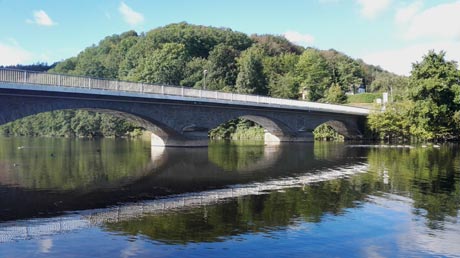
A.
pixel 59 80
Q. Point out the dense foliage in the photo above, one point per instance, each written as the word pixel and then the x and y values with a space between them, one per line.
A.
pixel 238 129
pixel 324 132
pixel 178 54
pixel 69 123
pixel 430 109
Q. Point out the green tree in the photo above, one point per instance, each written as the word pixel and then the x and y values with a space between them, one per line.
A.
pixel 335 94
pixel 280 72
pixel 283 86
pixel 394 124
pixel 198 40
pixel 434 88
pixel 312 74
pixel 251 78
pixel 222 68
pixel 134 56
pixel 276 45
pixel 193 73
pixel 66 66
pixel 344 70
pixel 166 65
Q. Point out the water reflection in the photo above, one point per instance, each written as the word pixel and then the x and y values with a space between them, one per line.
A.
pixel 70 164
pixel 242 156
pixel 84 174
pixel 247 214
pixel 406 200
pixel 419 186
pixel 430 177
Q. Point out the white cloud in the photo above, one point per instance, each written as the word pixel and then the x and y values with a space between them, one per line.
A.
pixel 13 54
pixel 298 38
pixel 406 13
pixel 42 19
pixel 370 9
pixel 129 15
pixel 441 21
pixel 400 61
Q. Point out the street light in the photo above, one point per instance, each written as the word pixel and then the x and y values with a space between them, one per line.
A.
pixel 205 72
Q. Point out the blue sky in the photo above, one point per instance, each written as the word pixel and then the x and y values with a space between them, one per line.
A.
pixel 389 33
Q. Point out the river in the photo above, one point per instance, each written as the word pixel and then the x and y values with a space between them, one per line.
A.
pixel 122 198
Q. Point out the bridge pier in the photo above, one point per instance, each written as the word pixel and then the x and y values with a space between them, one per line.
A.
pixel 178 141
pixel 202 140
pixel 276 139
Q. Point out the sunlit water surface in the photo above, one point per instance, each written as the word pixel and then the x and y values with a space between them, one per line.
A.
pixel 121 198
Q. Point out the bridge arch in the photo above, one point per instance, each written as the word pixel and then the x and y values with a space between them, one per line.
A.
pixel 162 134
pixel 348 131
pixel 274 131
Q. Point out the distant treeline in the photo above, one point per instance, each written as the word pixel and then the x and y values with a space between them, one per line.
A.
pixel 37 67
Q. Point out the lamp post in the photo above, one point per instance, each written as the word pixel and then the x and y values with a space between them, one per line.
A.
pixel 205 72
pixel 391 93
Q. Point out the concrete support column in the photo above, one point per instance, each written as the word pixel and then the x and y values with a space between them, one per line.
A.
pixel 277 138
pixel 178 141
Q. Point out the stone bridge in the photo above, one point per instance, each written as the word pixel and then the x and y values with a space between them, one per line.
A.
pixel 176 116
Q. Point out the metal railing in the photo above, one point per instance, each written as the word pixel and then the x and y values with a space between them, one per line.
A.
pixel 59 80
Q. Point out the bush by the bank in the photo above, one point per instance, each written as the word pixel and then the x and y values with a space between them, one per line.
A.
pixel 237 129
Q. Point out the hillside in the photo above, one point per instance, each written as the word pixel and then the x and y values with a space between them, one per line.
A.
pixel 177 54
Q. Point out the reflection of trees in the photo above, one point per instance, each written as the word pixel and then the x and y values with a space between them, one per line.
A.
pixel 431 177
pixel 234 155
pixel 328 150
pixel 69 164
pixel 256 213
pixel 243 156
pixel 170 171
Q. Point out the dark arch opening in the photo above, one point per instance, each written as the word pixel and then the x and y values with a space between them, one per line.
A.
pixel 89 123
pixel 333 130
pixel 252 127
pixel 238 129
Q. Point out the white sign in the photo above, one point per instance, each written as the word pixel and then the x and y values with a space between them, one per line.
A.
pixel 385 97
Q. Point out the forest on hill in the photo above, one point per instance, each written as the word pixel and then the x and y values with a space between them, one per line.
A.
pixel 178 54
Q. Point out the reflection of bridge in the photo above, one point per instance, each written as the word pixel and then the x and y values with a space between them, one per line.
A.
pixel 36 228
pixel 176 116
